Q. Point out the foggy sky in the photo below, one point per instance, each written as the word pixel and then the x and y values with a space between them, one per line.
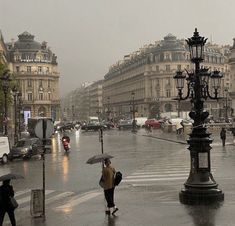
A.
pixel 88 36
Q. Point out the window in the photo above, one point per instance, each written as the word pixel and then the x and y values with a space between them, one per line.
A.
pixel 168 93
pixel 40 82
pixel 29 83
pixel 49 96
pixel 39 69
pixel 49 83
pixel 30 96
pixel 40 96
pixel 157 68
pixel 47 70
pixel 17 68
pixel 179 67
pixel 168 67
pixel 28 68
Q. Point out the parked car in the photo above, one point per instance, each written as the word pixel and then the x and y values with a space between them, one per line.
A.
pixel 153 123
pixel 4 149
pixel 93 126
pixel 126 124
pixel 26 148
pixel 108 124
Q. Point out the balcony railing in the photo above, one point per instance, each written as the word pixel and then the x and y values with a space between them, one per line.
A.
pixel 36 73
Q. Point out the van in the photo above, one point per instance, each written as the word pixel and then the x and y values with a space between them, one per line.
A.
pixel 140 121
pixel 4 149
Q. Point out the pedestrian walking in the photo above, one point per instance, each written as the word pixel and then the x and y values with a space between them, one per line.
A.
pixel 108 174
pixel 6 192
pixel 223 135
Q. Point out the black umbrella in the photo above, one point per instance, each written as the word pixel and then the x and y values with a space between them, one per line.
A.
pixel 98 158
pixel 10 176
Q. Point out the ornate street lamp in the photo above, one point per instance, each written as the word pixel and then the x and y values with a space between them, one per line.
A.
pixel 133 113
pixel 200 187
pixel 15 94
pixel 5 86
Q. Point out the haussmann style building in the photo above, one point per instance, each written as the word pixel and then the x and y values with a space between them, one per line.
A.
pixel 36 70
pixel 147 77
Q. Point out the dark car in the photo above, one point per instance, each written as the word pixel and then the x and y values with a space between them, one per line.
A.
pixel 93 126
pixel 126 124
pixel 26 148
pixel 108 124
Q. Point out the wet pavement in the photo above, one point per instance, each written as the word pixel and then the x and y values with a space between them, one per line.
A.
pixel 148 194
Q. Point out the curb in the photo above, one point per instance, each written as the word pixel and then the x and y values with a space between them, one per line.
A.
pixel 170 140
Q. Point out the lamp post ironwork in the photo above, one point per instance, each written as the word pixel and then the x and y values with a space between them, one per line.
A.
pixel 15 94
pixel 133 113
pixel 108 109
pixel 200 187
pixel 5 85
pixel 226 105
pixel 19 112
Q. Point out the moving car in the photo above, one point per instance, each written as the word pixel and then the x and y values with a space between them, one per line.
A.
pixel 93 126
pixel 26 148
pixel 153 123
pixel 126 124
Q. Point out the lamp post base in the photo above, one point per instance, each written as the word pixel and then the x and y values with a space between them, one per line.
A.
pixel 201 196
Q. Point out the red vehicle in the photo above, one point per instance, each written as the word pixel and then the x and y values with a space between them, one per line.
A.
pixel 153 123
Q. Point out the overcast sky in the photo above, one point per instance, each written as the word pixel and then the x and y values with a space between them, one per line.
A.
pixel 90 35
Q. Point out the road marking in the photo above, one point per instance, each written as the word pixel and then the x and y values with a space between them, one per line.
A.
pixel 59 196
pixel 18 193
pixel 78 200
pixel 156 175
pixel 157 172
pixel 26 199
pixel 153 179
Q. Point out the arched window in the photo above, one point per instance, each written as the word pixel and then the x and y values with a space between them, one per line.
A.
pixel 42 111
pixel 168 107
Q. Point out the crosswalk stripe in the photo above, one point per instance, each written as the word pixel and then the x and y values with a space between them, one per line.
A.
pixel 59 196
pixel 163 172
pixel 78 200
pixel 156 175
pixel 27 198
pixel 153 179
pixel 18 193
pixel 161 169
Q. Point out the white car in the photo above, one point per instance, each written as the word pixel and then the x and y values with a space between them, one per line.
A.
pixel 4 149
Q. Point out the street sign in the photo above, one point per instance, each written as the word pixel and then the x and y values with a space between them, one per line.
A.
pixel 49 129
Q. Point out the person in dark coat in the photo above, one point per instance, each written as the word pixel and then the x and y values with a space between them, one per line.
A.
pixel 6 191
pixel 223 136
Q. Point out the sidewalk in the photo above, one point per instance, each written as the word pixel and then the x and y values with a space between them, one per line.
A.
pixel 182 139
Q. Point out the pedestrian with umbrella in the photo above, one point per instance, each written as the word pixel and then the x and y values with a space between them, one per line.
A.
pixel 7 201
pixel 108 174
pixel 107 178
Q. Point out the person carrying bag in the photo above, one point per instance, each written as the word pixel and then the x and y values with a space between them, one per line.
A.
pixel 107 183
pixel 7 202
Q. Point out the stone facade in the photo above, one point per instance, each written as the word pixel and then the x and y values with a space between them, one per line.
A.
pixel 36 71
pixel 232 79
pixel 149 73
pixel 3 50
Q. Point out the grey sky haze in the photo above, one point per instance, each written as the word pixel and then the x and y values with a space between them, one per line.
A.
pixel 88 36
